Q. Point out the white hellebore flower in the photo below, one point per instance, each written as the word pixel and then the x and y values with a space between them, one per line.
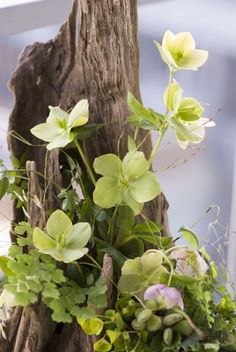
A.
pixel 185 116
pixel 57 129
pixel 179 53
pixel 189 262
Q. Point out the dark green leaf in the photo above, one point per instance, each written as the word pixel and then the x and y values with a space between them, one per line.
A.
pixel 4 183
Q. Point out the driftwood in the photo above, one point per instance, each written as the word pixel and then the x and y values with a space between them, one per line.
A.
pixel 94 56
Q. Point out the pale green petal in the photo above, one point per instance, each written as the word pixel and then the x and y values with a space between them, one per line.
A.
pixel 193 59
pixel 42 241
pixel 107 192
pixel 198 132
pixel 108 165
pixel 190 110
pixel 205 122
pixel 186 132
pixel 145 188
pixel 184 42
pixel 150 260
pixel 132 203
pixel 46 131
pixel 191 104
pixel 79 114
pixel 79 236
pixel 132 267
pixel 61 140
pixel 168 41
pixel 165 55
pixel 68 255
pixel 56 115
pixel 59 225
pixel 173 96
pixel 134 165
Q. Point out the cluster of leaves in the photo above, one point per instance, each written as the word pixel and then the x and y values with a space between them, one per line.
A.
pixel 165 295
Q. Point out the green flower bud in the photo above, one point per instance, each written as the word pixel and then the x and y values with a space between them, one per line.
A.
pixel 151 304
pixel 172 319
pixel 154 323
pixel 138 311
pixel 138 326
pixel 168 336
pixel 144 315
pixel 183 328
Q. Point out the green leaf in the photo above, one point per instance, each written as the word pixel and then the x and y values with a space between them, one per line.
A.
pixel 91 326
pixel 113 335
pixel 4 265
pixel 145 188
pixel 125 219
pixel 87 130
pixel 131 144
pixel 148 226
pixel 190 237
pixel 102 345
pixel 108 165
pixel 162 242
pixel 4 183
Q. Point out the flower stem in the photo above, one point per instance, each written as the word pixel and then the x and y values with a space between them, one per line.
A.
pixel 164 126
pixel 85 161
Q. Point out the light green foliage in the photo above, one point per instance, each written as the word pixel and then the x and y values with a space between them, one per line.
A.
pixel 63 241
pixel 29 275
pixel 57 129
pixel 143 117
pixel 129 181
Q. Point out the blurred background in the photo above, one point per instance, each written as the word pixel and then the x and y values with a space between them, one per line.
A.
pixel 198 182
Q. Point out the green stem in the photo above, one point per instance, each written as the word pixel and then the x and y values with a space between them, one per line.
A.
pixel 110 232
pixel 89 171
pixel 165 125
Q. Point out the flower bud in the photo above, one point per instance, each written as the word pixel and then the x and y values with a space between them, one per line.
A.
pixel 138 326
pixel 172 319
pixel 154 323
pixel 183 328
pixel 144 315
pixel 168 336
pixel 138 311
pixel 151 304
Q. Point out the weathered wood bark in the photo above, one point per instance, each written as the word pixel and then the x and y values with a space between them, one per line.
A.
pixel 94 56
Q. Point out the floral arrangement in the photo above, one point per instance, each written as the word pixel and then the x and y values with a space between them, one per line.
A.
pixel 164 298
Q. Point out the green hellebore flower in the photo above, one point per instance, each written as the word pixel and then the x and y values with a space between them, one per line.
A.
pixel 128 181
pixel 179 53
pixel 57 129
pixel 186 117
pixel 62 241
pixel 139 273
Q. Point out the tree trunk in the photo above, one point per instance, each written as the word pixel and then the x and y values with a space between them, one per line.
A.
pixel 94 56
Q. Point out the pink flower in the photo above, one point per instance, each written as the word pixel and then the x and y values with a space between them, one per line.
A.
pixel 189 262
pixel 169 296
